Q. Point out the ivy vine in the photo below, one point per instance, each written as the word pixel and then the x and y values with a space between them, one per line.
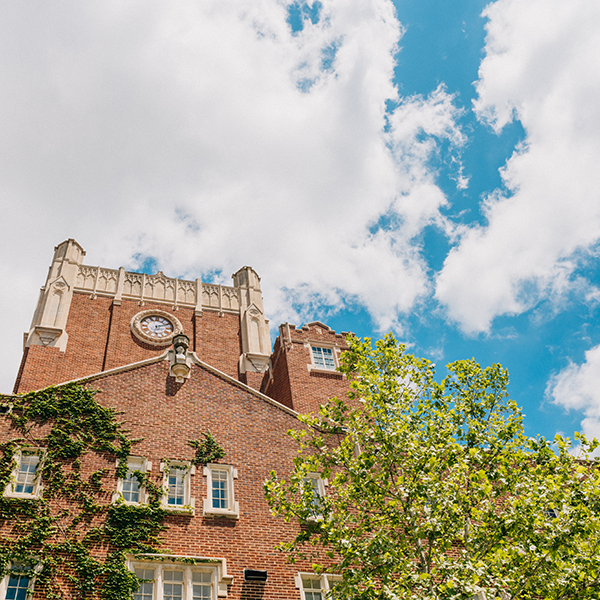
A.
pixel 207 450
pixel 74 530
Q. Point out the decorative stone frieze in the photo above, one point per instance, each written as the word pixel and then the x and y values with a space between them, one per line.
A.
pixel 120 284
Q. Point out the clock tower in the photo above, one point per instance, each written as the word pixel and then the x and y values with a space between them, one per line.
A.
pixel 93 319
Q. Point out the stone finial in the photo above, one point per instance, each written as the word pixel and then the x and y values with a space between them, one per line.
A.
pixel 256 340
pixel 50 317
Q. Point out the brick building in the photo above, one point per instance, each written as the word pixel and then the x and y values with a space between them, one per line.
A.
pixel 176 359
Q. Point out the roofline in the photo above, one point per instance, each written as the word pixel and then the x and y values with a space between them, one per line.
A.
pixel 165 356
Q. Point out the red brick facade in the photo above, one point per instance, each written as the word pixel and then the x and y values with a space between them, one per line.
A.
pixel 100 339
pixel 251 430
pixel 293 379
pixel 250 426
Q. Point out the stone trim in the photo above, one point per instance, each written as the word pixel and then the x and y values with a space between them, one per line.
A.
pixel 139 333
pixel 120 284
pixel 223 578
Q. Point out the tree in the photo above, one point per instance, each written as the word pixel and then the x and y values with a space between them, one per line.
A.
pixel 434 490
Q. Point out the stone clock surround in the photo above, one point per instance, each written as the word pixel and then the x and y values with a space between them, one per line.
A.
pixel 138 330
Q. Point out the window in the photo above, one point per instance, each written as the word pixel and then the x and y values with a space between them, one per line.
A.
pixel 315 587
pixel 220 499
pixel 174 578
pixel 314 486
pixel 174 583
pixel 129 488
pixel 17 587
pixel 146 589
pixel 25 481
pixel 323 358
pixel 311 589
pixel 18 583
pixel 177 486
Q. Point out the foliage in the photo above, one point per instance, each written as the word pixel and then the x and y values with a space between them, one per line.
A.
pixel 207 451
pixel 435 492
pixel 75 515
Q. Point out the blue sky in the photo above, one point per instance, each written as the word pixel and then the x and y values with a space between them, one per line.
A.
pixel 421 166
pixel 443 44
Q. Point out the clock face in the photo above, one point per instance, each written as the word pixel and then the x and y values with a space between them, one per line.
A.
pixel 156 327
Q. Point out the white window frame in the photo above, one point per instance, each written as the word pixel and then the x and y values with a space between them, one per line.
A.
pixel 9 490
pixel 314 367
pixel 217 567
pixel 189 503
pixel 30 573
pixel 320 486
pixel 233 508
pixel 326 580
pixel 134 463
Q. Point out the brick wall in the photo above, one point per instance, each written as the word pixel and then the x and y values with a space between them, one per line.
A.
pixel 252 432
pixel 290 379
pixel 100 338
pixel 218 341
pixel 276 381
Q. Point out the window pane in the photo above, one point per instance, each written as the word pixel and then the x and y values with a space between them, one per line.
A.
pixel 201 588
pixel 312 589
pixel 202 592
pixel 219 489
pixel 171 589
pixel 146 589
pixel 131 488
pixel 323 357
pixel 312 486
pixel 26 474
pixel 17 587
pixel 175 495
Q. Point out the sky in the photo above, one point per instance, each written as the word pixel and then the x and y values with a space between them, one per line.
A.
pixel 426 167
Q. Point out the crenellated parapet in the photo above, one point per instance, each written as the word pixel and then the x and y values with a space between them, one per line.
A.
pixel 141 287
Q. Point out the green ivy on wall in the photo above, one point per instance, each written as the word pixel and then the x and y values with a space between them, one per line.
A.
pixel 74 530
pixel 207 450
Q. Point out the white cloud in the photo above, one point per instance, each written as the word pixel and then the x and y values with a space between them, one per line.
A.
pixel 206 135
pixel 542 66
pixel 577 387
